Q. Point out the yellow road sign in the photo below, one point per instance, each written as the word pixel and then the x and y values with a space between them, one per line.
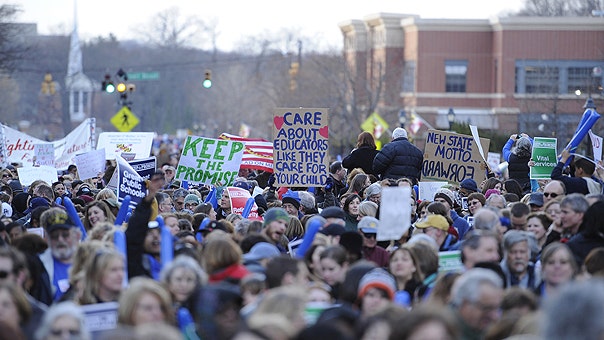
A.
pixel 375 124
pixel 124 120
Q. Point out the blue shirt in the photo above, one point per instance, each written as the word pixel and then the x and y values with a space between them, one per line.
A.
pixel 60 280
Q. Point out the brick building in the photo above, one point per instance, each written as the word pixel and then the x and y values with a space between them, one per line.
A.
pixel 509 74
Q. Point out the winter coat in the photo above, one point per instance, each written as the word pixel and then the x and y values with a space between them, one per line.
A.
pixel 398 159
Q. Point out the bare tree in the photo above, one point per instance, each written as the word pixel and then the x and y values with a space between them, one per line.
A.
pixel 558 8
pixel 168 29
pixel 12 44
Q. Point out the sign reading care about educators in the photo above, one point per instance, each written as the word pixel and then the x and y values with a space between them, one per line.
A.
pixel 209 161
pixel 300 147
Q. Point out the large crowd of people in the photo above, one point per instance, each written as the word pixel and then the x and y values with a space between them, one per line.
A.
pixel 530 255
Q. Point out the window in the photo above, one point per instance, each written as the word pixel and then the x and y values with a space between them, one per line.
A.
pixel 557 77
pixel 456 72
pixel 581 78
pixel 541 79
pixel 409 76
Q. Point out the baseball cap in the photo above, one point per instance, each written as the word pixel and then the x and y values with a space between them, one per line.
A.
pixel 536 198
pixel 37 202
pixel 260 251
pixel 369 225
pixel 59 220
pixel 436 221
pixel 469 184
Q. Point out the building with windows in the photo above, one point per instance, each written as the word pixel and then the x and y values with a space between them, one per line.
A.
pixel 512 74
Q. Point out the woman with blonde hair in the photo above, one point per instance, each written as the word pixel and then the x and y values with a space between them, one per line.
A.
pixel 145 301
pixel 15 309
pixel 222 260
pixel 295 229
pixel 280 314
pixel 367 208
pixel 103 277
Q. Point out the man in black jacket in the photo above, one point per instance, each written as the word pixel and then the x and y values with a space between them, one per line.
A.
pixel 399 158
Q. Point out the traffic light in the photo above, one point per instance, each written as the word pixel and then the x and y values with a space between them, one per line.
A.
pixel 107 85
pixel 207 82
pixel 121 87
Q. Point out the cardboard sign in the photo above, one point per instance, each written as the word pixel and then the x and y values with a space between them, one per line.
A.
pixel 44 154
pixel 239 198
pixel 395 213
pixel 90 164
pixel 300 147
pixel 129 182
pixel 544 156
pixel 30 174
pixel 100 317
pixel 20 146
pixel 116 143
pixel 453 157
pixel 209 161
pixel 427 190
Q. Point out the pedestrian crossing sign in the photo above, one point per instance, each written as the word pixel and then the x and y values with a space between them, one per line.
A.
pixel 124 120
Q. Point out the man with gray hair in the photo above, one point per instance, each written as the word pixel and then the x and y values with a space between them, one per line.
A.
pixel 476 300
pixel 572 209
pixel 519 270
pixel 399 158
pixel 307 203
pixel 487 218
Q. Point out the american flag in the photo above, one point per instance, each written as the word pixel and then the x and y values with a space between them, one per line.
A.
pixel 258 153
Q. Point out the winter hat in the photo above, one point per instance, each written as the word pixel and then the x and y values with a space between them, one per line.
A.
pixel 380 279
pixel 291 197
pixel 333 230
pixel 261 251
pixel 399 133
pixel 333 212
pixel 491 192
pixel 274 214
pixel 469 184
pixel 16 186
pixel 536 198
pixel 192 198
pixel 436 221
pixel 446 194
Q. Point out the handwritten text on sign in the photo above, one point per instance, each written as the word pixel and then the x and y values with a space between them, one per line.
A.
pixel 209 161
pixel 300 147
pixel 453 157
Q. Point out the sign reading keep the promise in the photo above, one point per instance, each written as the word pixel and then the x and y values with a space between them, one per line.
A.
pixel 209 161
pixel 300 147
pixel 453 157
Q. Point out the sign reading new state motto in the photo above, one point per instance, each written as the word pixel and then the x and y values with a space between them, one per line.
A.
pixel 209 161
pixel 453 157
pixel 300 147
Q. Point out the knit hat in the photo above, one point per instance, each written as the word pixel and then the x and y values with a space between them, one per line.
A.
pixel 333 230
pixel 491 192
pixel 436 221
pixel 399 133
pixel 16 186
pixel 373 189
pixel 333 212
pixel 369 225
pixel 469 184
pixel 380 279
pixel 260 251
pixel 192 198
pixel 292 198
pixel 274 214
pixel 446 194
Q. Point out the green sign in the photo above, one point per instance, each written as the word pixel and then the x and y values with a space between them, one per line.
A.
pixel 544 157
pixel 143 76
pixel 449 261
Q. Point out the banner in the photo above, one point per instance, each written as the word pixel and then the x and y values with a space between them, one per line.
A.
pixel 209 161
pixel 90 164
pixel 44 154
pixel 395 213
pixel 453 157
pixel 129 182
pixel 258 153
pixel 239 198
pixel 544 157
pixel 33 173
pixel 20 146
pixel 596 143
pixel 116 143
pixel 300 147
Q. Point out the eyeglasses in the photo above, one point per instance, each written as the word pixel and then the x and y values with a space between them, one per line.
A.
pixel 60 332
pixel 473 203
pixel 369 235
pixel 63 233
pixel 4 274
pixel 550 194
pixel 7 176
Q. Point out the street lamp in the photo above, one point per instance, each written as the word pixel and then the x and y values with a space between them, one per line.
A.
pixel 451 117
pixel 402 118
pixel 589 104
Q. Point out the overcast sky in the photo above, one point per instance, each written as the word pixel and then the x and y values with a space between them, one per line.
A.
pixel 238 18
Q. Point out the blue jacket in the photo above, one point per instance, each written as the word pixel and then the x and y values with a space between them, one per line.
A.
pixel 398 159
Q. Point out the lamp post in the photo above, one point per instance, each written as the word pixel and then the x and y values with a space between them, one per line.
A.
pixel 402 118
pixel 451 118
pixel 589 104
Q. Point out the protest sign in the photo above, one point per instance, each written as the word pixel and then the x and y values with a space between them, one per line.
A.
pixel 90 164
pixel 449 261
pixel 428 189
pixel 44 154
pixel 258 153
pixel 596 143
pixel 300 147
pixel 100 317
pixel 209 161
pixel 30 174
pixel 144 167
pixel 395 213
pixel 129 182
pixel 116 143
pixel 238 197
pixel 453 157
pixel 544 157
pixel 494 159
pixel 20 146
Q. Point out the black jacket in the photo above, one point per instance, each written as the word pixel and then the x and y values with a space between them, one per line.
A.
pixel 135 239
pixel 360 158
pixel 398 159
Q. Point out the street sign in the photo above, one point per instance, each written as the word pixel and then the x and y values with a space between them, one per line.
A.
pixel 375 124
pixel 124 120
pixel 143 76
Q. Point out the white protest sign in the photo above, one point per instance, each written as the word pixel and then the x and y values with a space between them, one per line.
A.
pixel 596 143
pixel 395 213
pixel 33 173
pixel 493 159
pixel 44 154
pixel 209 161
pixel 90 164
pixel 428 189
pixel 476 137
pixel 100 317
pixel 116 143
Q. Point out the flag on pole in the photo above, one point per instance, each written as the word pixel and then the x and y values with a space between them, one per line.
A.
pixel 258 153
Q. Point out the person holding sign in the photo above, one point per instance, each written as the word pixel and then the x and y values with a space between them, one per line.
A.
pixel 519 158
pixel 399 158
pixel 583 181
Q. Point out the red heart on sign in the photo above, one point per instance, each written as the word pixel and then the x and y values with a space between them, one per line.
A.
pixel 324 131
pixel 278 122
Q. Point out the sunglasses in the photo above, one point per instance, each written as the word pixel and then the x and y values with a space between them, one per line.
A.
pixel 4 274
pixel 550 194
pixel 369 235
pixel 7 176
